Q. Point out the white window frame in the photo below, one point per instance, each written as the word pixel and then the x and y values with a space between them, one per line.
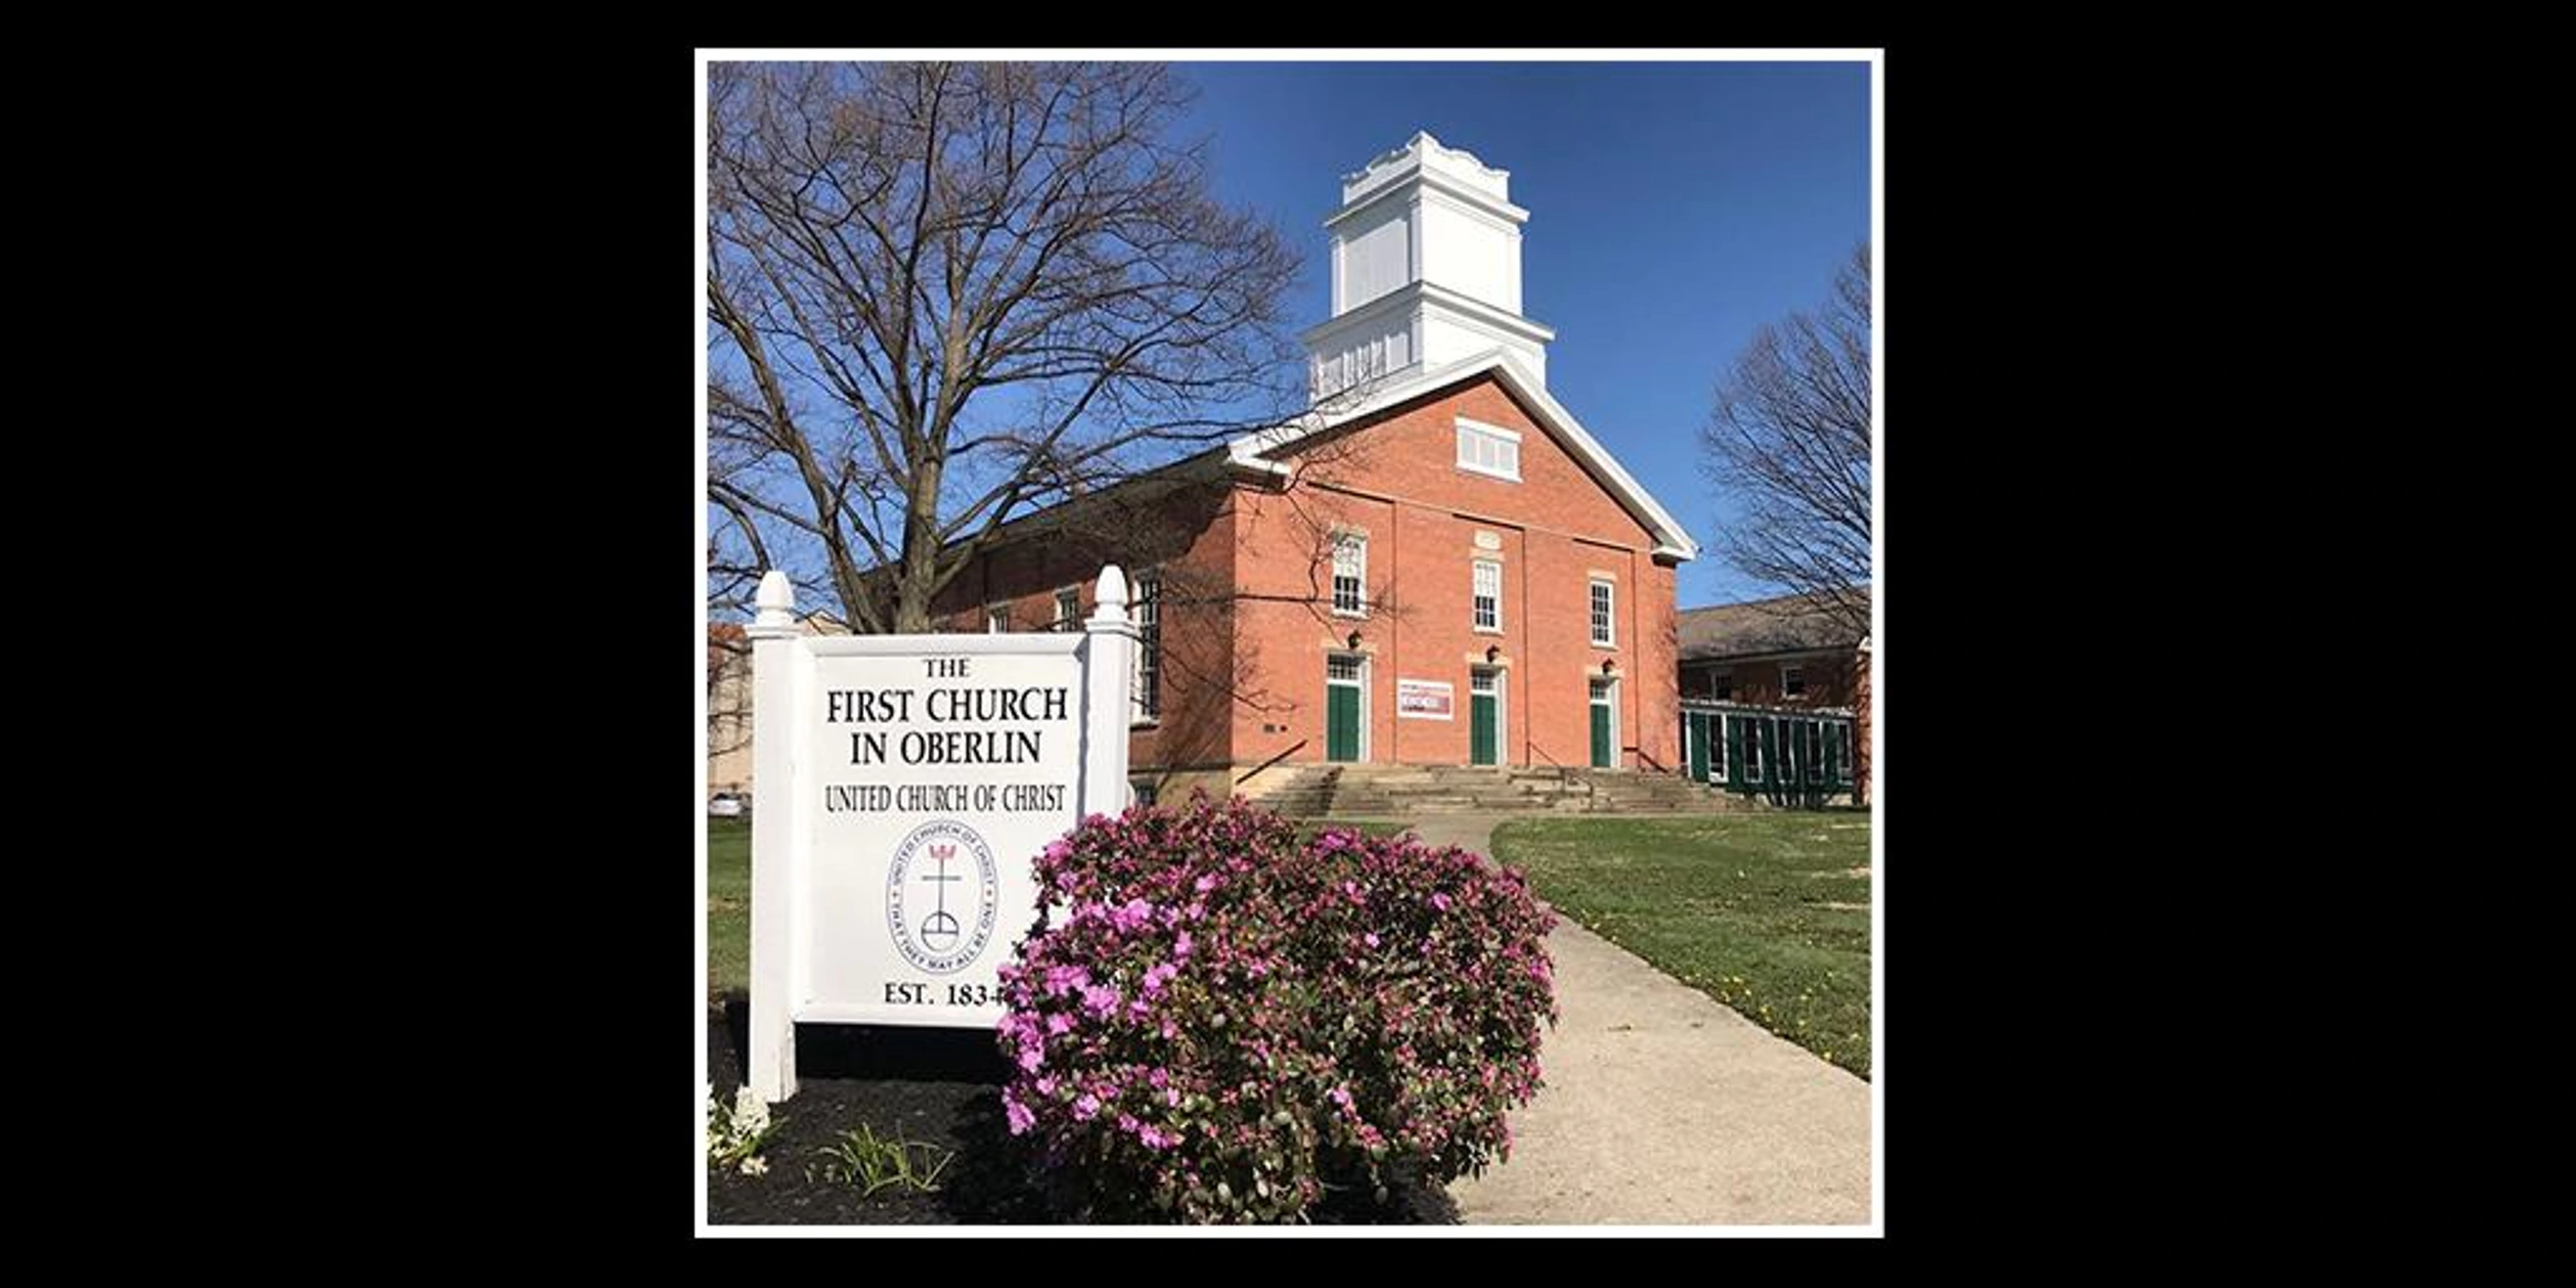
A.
pixel 1068 616
pixel 1476 568
pixel 1470 431
pixel 1606 632
pixel 997 619
pixel 1357 541
pixel 1786 670
pixel 1146 611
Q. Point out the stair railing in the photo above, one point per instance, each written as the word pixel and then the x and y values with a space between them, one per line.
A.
pixel 1301 745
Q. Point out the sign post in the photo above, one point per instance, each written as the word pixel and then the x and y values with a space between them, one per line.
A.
pixel 903 786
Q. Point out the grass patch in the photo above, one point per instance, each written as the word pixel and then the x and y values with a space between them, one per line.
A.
pixel 1767 913
pixel 728 904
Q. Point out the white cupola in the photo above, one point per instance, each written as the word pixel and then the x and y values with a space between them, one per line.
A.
pixel 1426 270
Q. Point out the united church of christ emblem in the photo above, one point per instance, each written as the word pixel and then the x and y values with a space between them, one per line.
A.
pixel 941 895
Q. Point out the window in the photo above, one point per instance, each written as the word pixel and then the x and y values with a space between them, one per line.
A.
pixel 1149 646
pixel 1144 790
pixel 1601 613
pixel 1489 449
pixel 1350 574
pixel 1793 681
pixel 1721 686
pixel 1068 609
pixel 1844 732
pixel 997 619
pixel 1489 596
pixel 1342 667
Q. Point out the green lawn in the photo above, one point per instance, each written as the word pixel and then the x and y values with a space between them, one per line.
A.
pixel 1767 913
pixel 729 904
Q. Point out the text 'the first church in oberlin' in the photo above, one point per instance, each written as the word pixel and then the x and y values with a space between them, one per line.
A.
pixel 1438 565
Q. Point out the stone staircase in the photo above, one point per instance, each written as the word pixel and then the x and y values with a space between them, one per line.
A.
pixel 1403 791
pixel 1303 791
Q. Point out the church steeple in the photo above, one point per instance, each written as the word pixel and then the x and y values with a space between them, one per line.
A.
pixel 1426 270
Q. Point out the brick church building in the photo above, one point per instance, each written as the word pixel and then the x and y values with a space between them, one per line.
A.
pixel 1437 565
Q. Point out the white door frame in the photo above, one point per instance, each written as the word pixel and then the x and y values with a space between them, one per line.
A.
pixel 1612 693
pixel 1362 683
pixel 1502 713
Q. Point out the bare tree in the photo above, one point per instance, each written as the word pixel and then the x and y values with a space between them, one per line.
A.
pixel 1789 441
pixel 943 295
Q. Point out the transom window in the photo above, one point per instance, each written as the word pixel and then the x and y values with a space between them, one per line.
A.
pixel 1601 615
pixel 1350 575
pixel 1489 595
pixel 1342 667
pixel 1489 449
pixel 1481 683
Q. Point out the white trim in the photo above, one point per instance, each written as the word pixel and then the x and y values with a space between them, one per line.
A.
pixel 1064 621
pixel 1474 566
pixel 1477 434
pixel 1359 541
pixel 1003 608
pixel 1609 619
pixel 1674 542
pixel 1498 431
pixel 1363 685
pixel 1502 677
pixel 1612 701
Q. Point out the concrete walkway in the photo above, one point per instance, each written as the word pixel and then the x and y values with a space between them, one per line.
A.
pixel 1664 1108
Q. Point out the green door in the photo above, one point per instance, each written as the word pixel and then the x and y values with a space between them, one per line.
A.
pixel 1695 736
pixel 1601 748
pixel 1484 737
pixel 1342 709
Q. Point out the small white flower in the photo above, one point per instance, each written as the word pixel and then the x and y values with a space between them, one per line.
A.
pixel 755 1166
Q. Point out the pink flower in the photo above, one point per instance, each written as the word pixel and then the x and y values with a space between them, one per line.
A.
pixel 1086 1107
pixel 1032 1056
pixel 1046 1086
pixel 1059 1023
pixel 1021 1118
pixel 1181 946
pixel 1206 883
pixel 1440 901
pixel 1371 939
pixel 1100 1000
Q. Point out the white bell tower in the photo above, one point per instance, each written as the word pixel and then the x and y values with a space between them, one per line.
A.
pixel 1426 270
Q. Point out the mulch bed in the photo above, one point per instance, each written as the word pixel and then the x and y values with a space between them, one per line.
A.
pixel 936 1086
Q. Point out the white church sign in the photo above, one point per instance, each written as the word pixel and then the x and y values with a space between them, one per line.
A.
pixel 904 785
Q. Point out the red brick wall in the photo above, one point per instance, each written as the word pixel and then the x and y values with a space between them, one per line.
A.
pixel 1399 481
pixel 1831 681
pixel 1243 678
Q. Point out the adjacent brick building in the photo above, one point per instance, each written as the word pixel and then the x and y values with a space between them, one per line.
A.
pixel 1438 565
pixel 1787 664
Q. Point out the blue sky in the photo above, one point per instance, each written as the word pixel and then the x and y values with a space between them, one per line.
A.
pixel 1673 208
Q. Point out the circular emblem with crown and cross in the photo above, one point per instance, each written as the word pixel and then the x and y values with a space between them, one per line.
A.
pixel 941 896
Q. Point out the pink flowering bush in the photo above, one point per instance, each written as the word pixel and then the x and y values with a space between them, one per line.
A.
pixel 1212 1022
